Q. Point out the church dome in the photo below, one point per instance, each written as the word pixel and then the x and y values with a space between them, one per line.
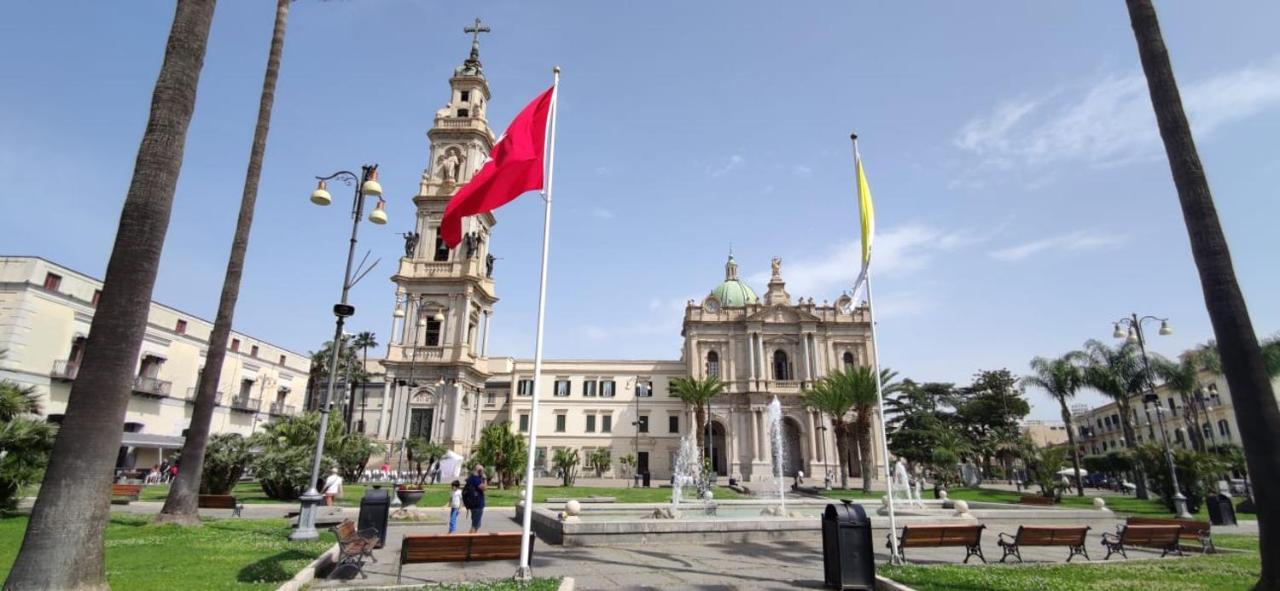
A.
pixel 732 292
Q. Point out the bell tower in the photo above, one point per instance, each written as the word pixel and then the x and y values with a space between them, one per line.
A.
pixel 436 364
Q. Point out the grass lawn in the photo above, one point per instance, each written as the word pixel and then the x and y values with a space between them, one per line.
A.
pixel 1235 571
pixel 223 554
pixel 438 494
pixel 537 584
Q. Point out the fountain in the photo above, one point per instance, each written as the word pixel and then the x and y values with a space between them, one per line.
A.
pixel 687 470
pixel 779 452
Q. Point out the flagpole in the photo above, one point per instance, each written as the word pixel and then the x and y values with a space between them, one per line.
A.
pixel 875 350
pixel 525 572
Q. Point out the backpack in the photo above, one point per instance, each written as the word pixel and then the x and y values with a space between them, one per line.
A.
pixel 470 496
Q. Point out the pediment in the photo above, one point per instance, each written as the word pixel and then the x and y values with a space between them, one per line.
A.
pixel 782 315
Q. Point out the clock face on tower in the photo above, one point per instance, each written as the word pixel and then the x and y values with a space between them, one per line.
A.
pixel 711 304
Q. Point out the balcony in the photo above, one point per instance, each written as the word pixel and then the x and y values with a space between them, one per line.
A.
pixel 280 408
pixel 64 370
pixel 151 387
pixel 191 396
pixel 245 404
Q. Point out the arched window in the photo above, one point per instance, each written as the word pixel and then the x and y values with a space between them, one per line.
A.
pixel 1208 430
pixel 781 366
pixel 848 360
pixel 713 364
pixel 1224 429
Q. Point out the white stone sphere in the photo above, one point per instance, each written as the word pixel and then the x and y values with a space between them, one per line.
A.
pixel 942 494
pixel 707 496
pixel 573 507
pixel 961 507
pixel 1099 503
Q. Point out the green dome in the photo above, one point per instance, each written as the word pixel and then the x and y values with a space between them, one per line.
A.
pixel 735 294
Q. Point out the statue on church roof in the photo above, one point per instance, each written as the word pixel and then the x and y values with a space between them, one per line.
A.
pixel 776 263
pixel 410 243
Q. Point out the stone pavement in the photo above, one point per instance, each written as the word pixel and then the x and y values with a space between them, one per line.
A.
pixel 753 565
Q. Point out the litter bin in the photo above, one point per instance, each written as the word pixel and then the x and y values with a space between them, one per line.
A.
pixel 646 480
pixel 1220 510
pixel 374 508
pixel 848 560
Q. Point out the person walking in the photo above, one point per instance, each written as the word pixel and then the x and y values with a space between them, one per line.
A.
pixel 455 506
pixel 473 496
pixel 332 487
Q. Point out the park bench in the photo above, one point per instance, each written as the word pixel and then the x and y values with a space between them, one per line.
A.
pixel 354 547
pixel 125 493
pixel 1191 530
pixel 460 548
pixel 220 502
pixel 1036 500
pixel 1034 535
pixel 1164 537
pixel 939 536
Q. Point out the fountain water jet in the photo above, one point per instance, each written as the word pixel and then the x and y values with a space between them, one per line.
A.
pixel 687 469
pixel 779 451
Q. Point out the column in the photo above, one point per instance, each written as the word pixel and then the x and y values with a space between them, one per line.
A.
pixel 755 434
pixel 488 319
pixel 764 436
pixel 813 442
pixel 764 361
pixel 804 351
pixel 751 358
pixel 731 441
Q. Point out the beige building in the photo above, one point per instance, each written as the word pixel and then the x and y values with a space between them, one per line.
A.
pixel 1045 433
pixel 45 313
pixel 441 383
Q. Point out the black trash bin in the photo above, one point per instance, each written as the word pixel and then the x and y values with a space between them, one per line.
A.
pixel 1221 512
pixel 375 506
pixel 848 560
pixel 646 480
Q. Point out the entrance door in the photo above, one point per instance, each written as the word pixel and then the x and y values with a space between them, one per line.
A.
pixel 642 462
pixel 420 423
pixel 716 449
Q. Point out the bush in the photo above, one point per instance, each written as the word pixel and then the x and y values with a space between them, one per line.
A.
pixel 25 442
pixel 566 461
pixel 1196 474
pixel 351 452
pixel 502 450
pixel 288 444
pixel 225 458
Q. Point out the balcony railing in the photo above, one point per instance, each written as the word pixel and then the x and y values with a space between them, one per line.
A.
pixel 191 396
pixel 64 370
pixel 246 404
pixel 151 386
pixel 280 408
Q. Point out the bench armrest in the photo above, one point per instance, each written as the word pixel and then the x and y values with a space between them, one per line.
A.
pixel 1110 537
pixel 368 532
pixel 1003 535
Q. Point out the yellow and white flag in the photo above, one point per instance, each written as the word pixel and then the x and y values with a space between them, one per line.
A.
pixel 867 217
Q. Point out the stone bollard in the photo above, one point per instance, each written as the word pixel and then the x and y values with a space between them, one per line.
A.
pixel 962 509
pixel 1099 503
pixel 942 495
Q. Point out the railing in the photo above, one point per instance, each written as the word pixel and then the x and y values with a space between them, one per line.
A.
pixel 151 386
pixel 242 403
pixel 193 390
pixel 405 353
pixel 64 370
pixel 459 123
pixel 280 408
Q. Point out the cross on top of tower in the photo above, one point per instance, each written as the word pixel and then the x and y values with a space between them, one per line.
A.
pixel 475 31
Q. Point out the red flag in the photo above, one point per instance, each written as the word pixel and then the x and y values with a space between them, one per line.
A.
pixel 514 166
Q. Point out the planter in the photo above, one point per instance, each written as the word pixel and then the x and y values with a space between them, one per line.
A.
pixel 410 496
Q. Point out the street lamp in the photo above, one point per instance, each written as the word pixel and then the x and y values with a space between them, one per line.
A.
pixel 1134 335
pixel 826 459
pixel 366 185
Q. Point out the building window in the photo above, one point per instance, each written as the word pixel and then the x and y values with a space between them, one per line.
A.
pixel 524 423
pixel 781 366
pixel 433 332
pixel 606 423
pixel 1224 429
pixel 150 367
pixel 246 389
pixel 52 282
pixel 589 388
pixel 464 113
pixel 642 424
pixel 607 388
pixel 591 423
pixel 848 360
pixel 1177 437
pixel 713 364
pixel 524 388
pixel 673 424
pixel 282 359
pixel 465 96
pixel 489 398
pixel 442 250
pixel 1173 408
pixel 563 387
pixel 253 351
pixel 560 422
pixel 644 388
pixel 235 345
pixel 181 327
pixel 1207 429
pixel 97 295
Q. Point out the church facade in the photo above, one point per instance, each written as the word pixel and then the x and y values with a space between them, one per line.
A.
pixel 443 384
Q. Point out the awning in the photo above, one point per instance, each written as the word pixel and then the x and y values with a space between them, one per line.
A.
pixel 152 440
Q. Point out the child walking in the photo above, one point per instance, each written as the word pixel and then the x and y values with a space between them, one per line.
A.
pixel 455 505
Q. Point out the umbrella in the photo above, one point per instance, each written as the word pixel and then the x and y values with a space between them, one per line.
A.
pixel 1072 472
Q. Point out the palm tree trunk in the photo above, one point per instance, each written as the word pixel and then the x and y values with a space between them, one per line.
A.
pixel 180 506
pixel 864 453
pixel 1071 440
pixel 63 546
pixel 700 417
pixel 1131 443
pixel 1257 412
pixel 842 452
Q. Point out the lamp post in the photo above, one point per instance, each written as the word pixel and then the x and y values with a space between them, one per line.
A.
pixel 366 184
pixel 1134 335
pixel 826 459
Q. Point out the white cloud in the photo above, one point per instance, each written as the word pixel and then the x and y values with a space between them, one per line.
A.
pixel 602 213
pixel 1109 123
pixel 801 170
pixel 1073 242
pixel 731 163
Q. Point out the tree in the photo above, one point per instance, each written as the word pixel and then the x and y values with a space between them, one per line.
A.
pixel 915 414
pixel 1043 464
pixel 989 411
pixel 503 450
pixel 1183 377
pixel 1061 379
pixel 351 453
pixel 25 441
pixel 1197 473
pixel 1256 408
pixel 423 451
pixel 698 393
pixel 1117 373
pixel 286 448
pixel 948 449
pixel 180 506
pixel 600 460
pixel 364 341
pixel 63 545
pixel 566 461
pixel 349 368
pixel 226 457
pixel 825 398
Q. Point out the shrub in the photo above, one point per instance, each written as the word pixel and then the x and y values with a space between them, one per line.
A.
pixel 25 442
pixel 566 461
pixel 502 450
pixel 288 444
pixel 1196 474
pixel 351 452
pixel 225 459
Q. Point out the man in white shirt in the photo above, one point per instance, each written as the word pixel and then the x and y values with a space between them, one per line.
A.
pixel 332 487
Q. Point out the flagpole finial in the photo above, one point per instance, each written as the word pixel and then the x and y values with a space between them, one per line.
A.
pixel 555 70
pixel 853 136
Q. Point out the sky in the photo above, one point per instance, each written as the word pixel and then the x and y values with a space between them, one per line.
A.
pixel 1023 198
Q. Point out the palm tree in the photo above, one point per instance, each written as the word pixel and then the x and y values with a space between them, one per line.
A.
pixel 63 545
pixel 1061 378
pixel 1117 374
pixel 180 506
pixel 825 398
pixel 851 390
pixel 566 461
pixel 698 393
pixel 1183 377
pixel 1256 408
pixel 363 341
pixel 25 441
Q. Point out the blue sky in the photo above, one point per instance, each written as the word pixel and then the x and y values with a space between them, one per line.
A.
pixel 1023 198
